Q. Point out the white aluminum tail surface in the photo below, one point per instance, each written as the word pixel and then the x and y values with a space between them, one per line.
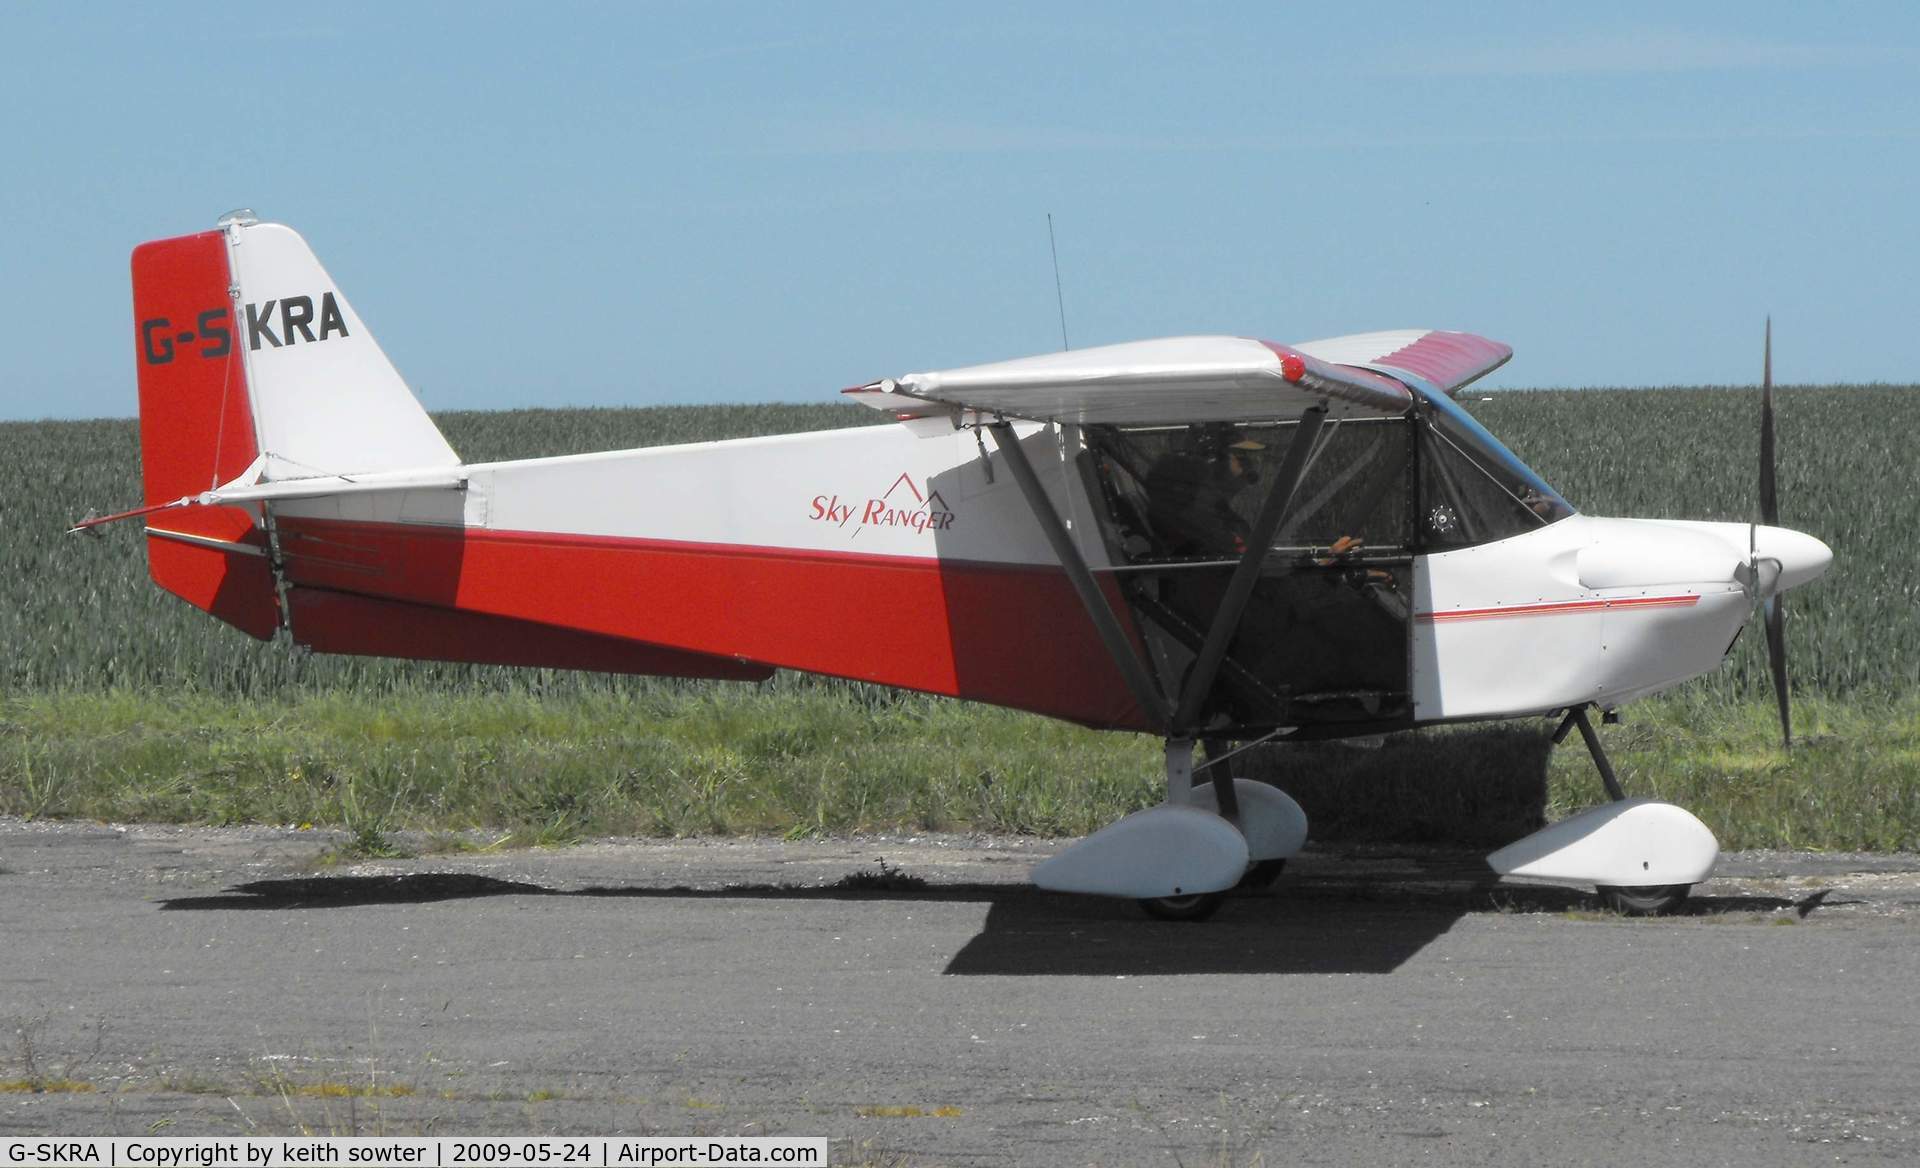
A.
pixel 326 401
pixel 1634 842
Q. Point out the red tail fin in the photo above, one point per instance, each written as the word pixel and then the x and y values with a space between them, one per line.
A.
pixel 196 431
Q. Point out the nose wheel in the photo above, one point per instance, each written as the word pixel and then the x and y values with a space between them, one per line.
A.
pixel 1664 849
pixel 1643 900
pixel 1197 907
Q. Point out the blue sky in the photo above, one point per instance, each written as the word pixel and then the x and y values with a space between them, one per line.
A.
pixel 647 203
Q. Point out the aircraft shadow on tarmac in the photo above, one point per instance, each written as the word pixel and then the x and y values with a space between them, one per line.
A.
pixel 1309 926
pixel 1305 928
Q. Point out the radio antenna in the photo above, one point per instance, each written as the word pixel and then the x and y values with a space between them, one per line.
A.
pixel 1058 298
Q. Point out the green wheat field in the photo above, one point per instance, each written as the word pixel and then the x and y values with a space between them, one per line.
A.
pixel 119 702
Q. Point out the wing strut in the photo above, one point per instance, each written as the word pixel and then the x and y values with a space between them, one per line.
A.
pixel 1226 622
pixel 1132 668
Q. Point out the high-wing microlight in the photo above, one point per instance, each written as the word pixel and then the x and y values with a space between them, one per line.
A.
pixel 1210 539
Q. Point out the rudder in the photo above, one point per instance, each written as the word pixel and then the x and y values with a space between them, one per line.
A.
pixel 197 431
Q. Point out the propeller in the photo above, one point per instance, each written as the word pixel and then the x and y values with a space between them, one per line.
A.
pixel 1772 602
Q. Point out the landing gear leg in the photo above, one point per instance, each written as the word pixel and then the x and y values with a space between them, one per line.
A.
pixel 1198 906
pixel 1261 874
pixel 1577 716
pixel 1633 900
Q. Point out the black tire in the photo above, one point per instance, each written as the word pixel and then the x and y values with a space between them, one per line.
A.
pixel 1197 907
pixel 1644 900
pixel 1261 876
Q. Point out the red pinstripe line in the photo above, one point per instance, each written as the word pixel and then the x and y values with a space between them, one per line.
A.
pixel 1505 611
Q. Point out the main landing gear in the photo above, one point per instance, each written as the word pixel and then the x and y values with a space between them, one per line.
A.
pixel 1180 859
pixel 1280 830
pixel 1643 856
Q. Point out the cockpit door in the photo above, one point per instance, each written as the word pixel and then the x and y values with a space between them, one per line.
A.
pixel 1326 635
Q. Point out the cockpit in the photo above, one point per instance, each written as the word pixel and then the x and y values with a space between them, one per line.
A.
pixel 1429 480
pixel 1325 638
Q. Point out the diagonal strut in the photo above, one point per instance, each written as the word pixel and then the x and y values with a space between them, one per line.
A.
pixel 1226 621
pixel 1132 669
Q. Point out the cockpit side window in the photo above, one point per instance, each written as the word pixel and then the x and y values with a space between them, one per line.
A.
pixel 1472 489
pixel 1193 492
pixel 1355 488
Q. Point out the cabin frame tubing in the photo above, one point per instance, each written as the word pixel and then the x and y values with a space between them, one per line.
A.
pixel 1177 718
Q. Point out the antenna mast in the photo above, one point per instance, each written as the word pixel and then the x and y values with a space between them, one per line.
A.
pixel 1058 298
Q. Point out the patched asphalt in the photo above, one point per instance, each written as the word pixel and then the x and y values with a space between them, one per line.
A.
pixel 913 999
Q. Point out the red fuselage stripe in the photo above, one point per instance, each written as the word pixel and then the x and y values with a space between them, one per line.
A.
pixel 1011 634
pixel 1557 609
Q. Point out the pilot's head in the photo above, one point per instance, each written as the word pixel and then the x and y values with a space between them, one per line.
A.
pixel 1237 453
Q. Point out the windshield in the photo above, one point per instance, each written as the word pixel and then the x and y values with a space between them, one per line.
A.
pixel 1474 489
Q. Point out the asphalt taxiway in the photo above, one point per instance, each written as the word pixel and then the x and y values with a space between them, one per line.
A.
pixel 913 999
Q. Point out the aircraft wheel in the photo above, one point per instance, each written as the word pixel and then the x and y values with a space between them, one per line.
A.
pixel 1644 900
pixel 1197 907
pixel 1261 875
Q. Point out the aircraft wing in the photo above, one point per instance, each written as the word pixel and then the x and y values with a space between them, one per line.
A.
pixel 1447 360
pixel 1172 381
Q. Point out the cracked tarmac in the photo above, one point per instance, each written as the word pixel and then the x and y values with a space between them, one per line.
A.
pixel 912 998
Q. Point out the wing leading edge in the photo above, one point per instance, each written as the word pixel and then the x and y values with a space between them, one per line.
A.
pixel 1196 379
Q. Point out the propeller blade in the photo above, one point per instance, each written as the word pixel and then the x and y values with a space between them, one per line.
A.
pixel 1769 498
pixel 1776 611
pixel 1777 659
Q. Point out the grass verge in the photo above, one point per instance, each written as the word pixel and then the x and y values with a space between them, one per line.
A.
pixel 821 759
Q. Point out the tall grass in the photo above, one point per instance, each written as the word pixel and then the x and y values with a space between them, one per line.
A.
pixel 784 757
pixel 791 757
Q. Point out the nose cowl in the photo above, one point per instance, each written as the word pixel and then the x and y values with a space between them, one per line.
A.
pixel 1640 553
pixel 1802 558
pixel 1632 553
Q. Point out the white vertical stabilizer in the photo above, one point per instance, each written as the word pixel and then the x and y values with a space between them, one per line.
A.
pixel 326 401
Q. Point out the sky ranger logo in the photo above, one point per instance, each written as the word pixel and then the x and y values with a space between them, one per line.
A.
pixel 903 505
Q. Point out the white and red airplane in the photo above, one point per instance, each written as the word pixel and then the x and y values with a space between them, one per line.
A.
pixel 1209 539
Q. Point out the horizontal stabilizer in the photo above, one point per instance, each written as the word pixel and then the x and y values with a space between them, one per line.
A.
pixel 250 488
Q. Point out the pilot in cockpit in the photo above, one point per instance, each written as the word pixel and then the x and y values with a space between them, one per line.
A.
pixel 1193 489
